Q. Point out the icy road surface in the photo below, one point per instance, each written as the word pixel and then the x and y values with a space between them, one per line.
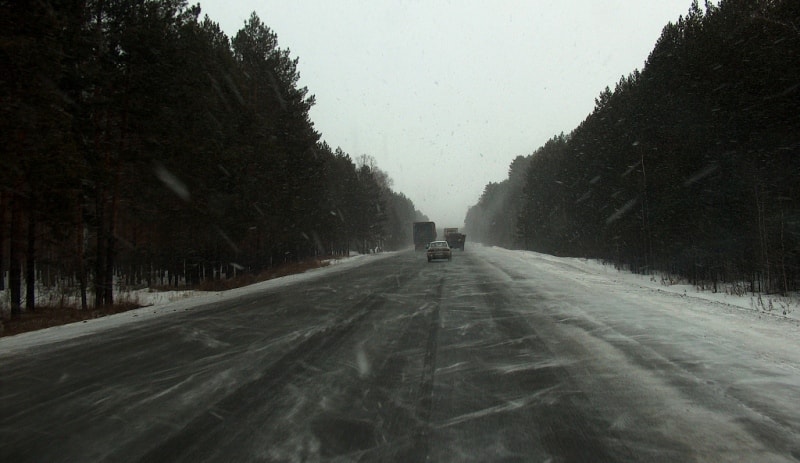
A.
pixel 495 356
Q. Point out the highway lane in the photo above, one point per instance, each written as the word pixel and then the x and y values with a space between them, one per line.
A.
pixel 396 360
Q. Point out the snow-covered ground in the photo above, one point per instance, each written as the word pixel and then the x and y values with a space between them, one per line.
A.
pixel 750 331
pixel 773 315
pixel 593 273
pixel 709 364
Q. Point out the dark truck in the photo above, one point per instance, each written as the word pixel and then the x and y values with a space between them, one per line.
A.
pixel 424 233
pixel 454 239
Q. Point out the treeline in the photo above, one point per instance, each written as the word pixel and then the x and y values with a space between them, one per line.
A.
pixel 140 145
pixel 691 166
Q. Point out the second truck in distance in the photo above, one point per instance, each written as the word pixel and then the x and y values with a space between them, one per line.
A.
pixel 454 239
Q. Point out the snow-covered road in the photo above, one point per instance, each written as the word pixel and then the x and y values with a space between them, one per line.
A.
pixel 496 356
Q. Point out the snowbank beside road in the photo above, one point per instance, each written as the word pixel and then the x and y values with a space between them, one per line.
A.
pixel 162 303
pixel 592 273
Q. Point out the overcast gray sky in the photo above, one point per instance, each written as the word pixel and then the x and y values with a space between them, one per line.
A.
pixel 445 94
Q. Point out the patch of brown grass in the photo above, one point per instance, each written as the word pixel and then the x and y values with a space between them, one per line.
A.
pixel 248 279
pixel 47 316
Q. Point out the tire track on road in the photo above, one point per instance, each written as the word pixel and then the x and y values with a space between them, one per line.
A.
pixel 182 445
pixel 420 446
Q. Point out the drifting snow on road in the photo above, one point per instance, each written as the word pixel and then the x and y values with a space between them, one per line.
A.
pixel 496 356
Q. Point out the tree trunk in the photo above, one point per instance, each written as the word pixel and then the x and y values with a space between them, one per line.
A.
pixel 762 237
pixel 80 251
pixel 99 264
pixel 15 258
pixel 108 296
pixel 111 239
pixel 30 263
pixel 785 278
pixel 2 240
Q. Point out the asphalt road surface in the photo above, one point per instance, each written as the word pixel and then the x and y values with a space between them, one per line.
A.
pixel 396 360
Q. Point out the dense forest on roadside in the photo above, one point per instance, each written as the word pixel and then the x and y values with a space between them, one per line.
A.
pixel 142 146
pixel 690 166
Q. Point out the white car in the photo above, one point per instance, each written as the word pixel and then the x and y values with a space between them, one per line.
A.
pixel 438 250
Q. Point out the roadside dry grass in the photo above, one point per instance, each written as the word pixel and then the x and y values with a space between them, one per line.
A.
pixel 46 316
